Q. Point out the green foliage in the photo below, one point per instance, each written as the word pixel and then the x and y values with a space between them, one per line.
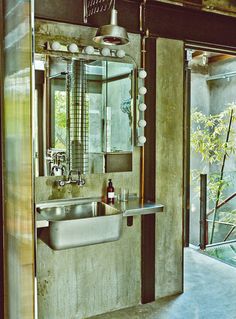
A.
pixel 60 119
pixel 214 183
pixel 209 140
pixel 228 217
pixel 209 135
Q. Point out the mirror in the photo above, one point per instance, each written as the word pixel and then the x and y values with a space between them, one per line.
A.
pixel 84 115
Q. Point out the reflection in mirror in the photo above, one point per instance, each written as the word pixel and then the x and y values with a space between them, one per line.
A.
pixel 87 114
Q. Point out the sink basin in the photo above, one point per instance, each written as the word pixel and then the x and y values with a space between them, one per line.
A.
pixel 80 223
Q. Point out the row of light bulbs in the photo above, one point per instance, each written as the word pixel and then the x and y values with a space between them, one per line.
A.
pixel 73 48
pixel 142 106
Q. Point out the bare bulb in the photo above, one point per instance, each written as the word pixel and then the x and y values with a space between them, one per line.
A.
pixel 142 90
pixel 89 49
pixel 142 123
pixel 73 48
pixel 142 107
pixel 120 53
pixel 142 74
pixel 105 52
pixel 142 139
pixel 56 45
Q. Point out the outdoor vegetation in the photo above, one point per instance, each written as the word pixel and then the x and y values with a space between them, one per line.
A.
pixel 60 120
pixel 213 137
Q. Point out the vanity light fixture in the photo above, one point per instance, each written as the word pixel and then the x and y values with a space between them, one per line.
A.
pixel 120 53
pixel 142 90
pixel 73 48
pixel 142 107
pixel 105 52
pixel 89 49
pixel 142 139
pixel 56 45
pixel 142 123
pixel 142 74
pixel 111 34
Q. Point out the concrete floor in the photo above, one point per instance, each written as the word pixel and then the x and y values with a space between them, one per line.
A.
pixel 210 293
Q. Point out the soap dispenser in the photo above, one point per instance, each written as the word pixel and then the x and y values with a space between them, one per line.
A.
pixel 110 193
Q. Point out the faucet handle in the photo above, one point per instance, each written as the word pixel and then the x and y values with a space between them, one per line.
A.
pixel 81 180
pixel 61 183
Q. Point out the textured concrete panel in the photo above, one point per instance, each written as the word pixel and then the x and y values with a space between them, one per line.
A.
pixel 81 282
pixel 169 166
pixel 77 283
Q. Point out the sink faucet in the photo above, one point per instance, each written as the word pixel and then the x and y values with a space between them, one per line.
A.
pixel 79 181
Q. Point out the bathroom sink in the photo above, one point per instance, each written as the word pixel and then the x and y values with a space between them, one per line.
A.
pixel 80 223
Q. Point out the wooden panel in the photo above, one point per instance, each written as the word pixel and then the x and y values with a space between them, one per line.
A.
pixel 17 156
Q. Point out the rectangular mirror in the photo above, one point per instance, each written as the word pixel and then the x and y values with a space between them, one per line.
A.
pixel 84 110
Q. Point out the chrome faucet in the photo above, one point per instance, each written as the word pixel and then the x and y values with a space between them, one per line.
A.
pixel 80 181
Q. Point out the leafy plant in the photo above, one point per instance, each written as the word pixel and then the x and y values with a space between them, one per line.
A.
pixel 208 137
pixel 209 140
pixel 60 119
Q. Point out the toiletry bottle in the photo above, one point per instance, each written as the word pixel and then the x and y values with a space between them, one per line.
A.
pixel 110 193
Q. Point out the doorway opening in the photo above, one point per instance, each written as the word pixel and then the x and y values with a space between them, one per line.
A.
pixel 211 100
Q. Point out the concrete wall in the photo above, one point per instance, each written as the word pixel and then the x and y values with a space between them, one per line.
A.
pixel 78 283
pixel 81 282
pixel 169 167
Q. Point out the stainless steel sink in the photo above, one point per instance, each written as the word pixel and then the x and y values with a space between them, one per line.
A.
pixel 80 223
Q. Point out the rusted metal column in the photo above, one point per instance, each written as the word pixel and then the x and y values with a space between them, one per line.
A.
pixel 203 210
pixel 148 59
pixel 186 189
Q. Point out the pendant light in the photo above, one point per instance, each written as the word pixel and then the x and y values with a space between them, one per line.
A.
pixel 111 34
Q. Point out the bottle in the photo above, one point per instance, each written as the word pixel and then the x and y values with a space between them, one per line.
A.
pixel 110 193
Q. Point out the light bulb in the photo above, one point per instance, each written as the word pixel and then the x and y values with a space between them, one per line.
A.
pixel 142 123
pixel 142 139
pixel 120 53
pixel 89 49
pixel 73 48
pixel 56 45
pixel 142 107
pixel 142 90
pixel 142 74
pixel 105 52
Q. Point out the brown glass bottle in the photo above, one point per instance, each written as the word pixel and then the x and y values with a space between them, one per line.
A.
pixel 110 193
